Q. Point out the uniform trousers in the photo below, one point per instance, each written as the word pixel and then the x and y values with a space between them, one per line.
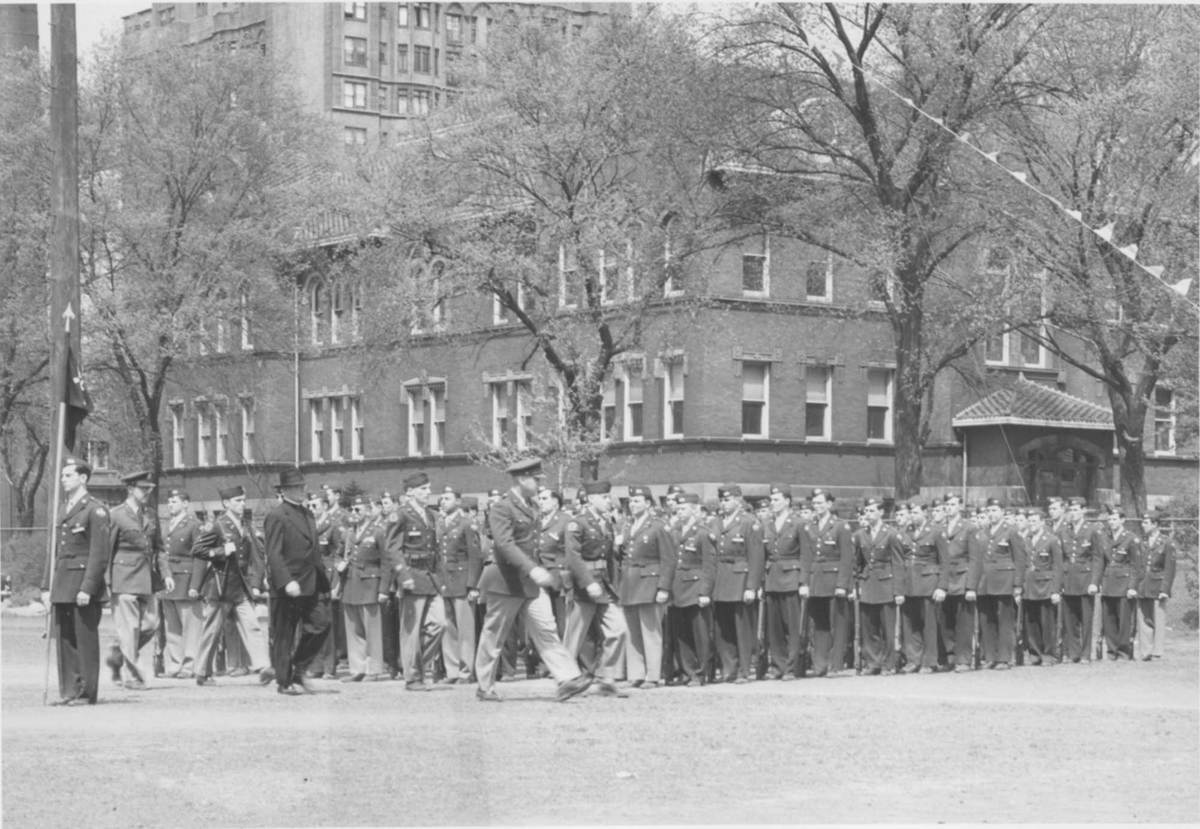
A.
pixel 829 617
pixel 581 619
pixel 783 630
pixel 734 639
pixel 502 614
pixel 997 628
pixel 77 631
pixel 182 621
pixel 956 621
pixel 1077 626
pixel 1118 613
pixel 422 622
pixel 458 639
pixel 687 644
pixel 643 656
pixel 217 617
pixel 558 604
pixel 364 638
pixel 309 617
pixel 335 644
pixel 1151 626
pixel 1041 628
pixel 135 618
pixel 389 622
pixel 878 636
pixel 919 631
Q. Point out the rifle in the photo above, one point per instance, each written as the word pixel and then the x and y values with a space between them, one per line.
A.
pixel 1020 632
pixel 857 630
pixel 761 661
pixel 805 661
pixel 976 649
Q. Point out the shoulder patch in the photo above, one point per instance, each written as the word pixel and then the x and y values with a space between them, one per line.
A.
pixel 572 526
pixel 757 525
pixel 101 512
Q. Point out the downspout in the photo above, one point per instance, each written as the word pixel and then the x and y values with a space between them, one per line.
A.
pixel 295 374
pixel 963 497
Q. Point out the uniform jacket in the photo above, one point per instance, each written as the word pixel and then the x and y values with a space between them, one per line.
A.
pixel 788 550
pixel 82 554
pixel 513 524
pixel 590 555
pixel 1044 568
pixel 412 550
pixel 832 557
pixel 1083 557
pixel 179 536
pixel 649 562
pixel 461 558
pixel 1123 564
pixel 881 564
pixel 955 556
pixel 740 556
pixel 998 561
pixel 551 547
pixel 136 568
pixel 695 563
pixel 366 569
pixel 227 578
pixel 1159 571
pixel 923 560
pixel 291 550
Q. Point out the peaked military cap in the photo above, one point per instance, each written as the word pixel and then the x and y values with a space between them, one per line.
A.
pixel 415 480
pixel 230 492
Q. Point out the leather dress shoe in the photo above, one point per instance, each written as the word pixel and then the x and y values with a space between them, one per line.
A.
pixel 572 687
pixel 265 676
pixel 289 691
pixel 607 688
pixel 135 685
pixel 488 696
pixel 302 684
pixel 648 685
pixel 202 679
pixel 354 678
pixel 417 686
pixel 239 672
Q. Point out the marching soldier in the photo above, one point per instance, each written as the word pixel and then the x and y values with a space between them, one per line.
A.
pixel 739 573
pixel 957 617
pixel 230 568
pixel 647 573
pixel 389 611
pixel 75 589
pixel 1155 588
pixel 1043 589
pixel 829 579
pixel 1123 569
pixel 688 641
pixel 918 614
pixel 1084 547
pixel 788 549
pixel 412 553
pixel 997 582
pixel 361 570
pixel 461 562
pixel 881 587
pixel 182 617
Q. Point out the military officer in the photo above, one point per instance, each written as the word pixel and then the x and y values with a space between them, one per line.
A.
pixel 461 563
pixel 918 614
pixel 389 611
pixel 361 570
pixel 230 568
pixel 1155 587
pixel 1123 572
pixel 788 548
pixel 74 588
pixel 182 617
pixel 332 519
pixel 1084 547
pixel 740 559
pixel 135 574
pixel 552 551
pixel 957 616
pixel 1043 589
pixel 412 554
pixel 687 640
pixel 647 574
pixel 881 587
pixel 998 562
pixel 829 579
pixel 1056 509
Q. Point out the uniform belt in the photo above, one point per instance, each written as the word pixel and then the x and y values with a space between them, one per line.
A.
pixel 732 560
pixel 419 561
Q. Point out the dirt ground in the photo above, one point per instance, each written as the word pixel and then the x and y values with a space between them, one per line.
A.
pixel 1112 742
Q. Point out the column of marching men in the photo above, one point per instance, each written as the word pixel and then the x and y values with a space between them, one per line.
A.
pixel 588 593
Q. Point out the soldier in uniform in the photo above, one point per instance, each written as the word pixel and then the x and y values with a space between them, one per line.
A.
pixel 74 590
pixel 1084 547
pixel 1056 509
pixel 957 616
pixel 686 641
pixel 740 559
pixel 135 574
pixel 998 562
pixel 590 552
pixel 461 563
pixel 918 615
pixel 788 549
pixel 389 610
pixel 1155 588
pixel 229 569
pixel 1123 570
pixel 412 553
pixel 647 574
pixel 361 571
pixel 331 518
pixel 182 617
pixel 1043 589
pixel 513 583
pixel 829 578
pixel 881 586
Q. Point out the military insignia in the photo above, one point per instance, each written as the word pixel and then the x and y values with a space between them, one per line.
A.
pixel 100 511
pixel 572 526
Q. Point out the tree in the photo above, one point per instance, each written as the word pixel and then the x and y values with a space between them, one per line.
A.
pixel 197 165
pixel 830 153
pixel 1118 145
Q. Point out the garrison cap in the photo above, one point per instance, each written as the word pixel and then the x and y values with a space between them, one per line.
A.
pixel 640 489
pixel 415 480
pixel 230 492
pixel 387 494
pixel 1076 500
pixel 783 489
pixel 138 479
pixel 451 490
pixel 689 497
pixel 596 487
pixel 1112 509
pixel 729 489
pixel 529 467
pixel 82 467
pixel 554 493
pixel 361 501
pixel 993 502
pixel 181 494
pixel 494 493
pixel 873 502
pixel 820 493
pixel 1030 512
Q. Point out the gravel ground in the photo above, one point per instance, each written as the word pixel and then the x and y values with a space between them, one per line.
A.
pixel 1112 742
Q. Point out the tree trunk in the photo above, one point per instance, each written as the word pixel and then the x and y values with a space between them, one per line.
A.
pixel 1129 419
pixel 909 402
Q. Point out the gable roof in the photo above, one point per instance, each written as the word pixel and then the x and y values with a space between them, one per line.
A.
pixel 1025 403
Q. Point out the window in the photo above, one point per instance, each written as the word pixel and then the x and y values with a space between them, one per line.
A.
pixel 178 435
pixel 248 430
pixel 354 51
pixel 244 320
pixel 402 58
pixel 166 15
pixel 402 101
pixel 437 412
pixel 436 54
pixel 357 446
pixel 755 274
pixel 673 399
pixel 201 9
pixel 222 344
pixel 673 271
pixel 756 386
pixel 355 11
pixel 337 314
pixel 1164 421
pixel 818 280
pixel 995 350
pixel 473 29
pixel 818 392
pixel 612 287
pixel 204 434
pixel 499 312
pixel 337 423
pixel 421 13
pixel 1030 350
pixel 318 303
pixel 633 402
pixel 97 454
pixel 416 420
pixel 524 401
pixel 421 99
pixel 500 409
pixel 422 59
pixel 879 404
pixel 383 52
pixel 221 427
pixel 316 419
pixel 354 94
pixel 402 16
pixel 570 289
pixel 609 406
pixel 881 286
pixel 355 137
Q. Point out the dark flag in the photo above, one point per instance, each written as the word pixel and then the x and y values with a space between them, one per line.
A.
pixel 75 397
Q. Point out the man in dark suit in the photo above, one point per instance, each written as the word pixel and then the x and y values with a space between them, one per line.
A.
pixel 297 580
pixel 74 589
pixel 513 584
pixel 182 616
